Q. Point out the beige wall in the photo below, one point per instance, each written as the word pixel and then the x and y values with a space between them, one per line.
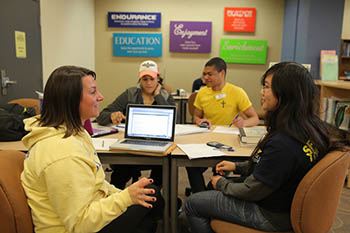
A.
pixel 68 34
pixel 68 37
pixel 115 74
pixel 346 20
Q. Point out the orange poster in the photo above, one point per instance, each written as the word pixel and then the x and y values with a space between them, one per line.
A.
pixel 239 19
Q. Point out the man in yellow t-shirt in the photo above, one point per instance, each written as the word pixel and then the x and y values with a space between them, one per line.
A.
pixel 219 103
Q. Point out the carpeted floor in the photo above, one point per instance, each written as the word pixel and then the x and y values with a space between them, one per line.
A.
pixel 342 220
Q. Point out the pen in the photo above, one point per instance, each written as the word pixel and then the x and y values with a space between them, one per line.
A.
pixel 234 119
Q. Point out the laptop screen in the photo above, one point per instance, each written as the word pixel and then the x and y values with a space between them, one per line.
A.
pixel 154 122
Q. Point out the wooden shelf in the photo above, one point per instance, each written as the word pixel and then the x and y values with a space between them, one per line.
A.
pixel 337 89
pixel 344 78
pixel 340 84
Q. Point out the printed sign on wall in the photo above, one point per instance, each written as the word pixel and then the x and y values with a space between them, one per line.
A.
pixel 134 19
pixel 137 44
pixel 243 51
pixel 20 42
pixel 190 37
pixel 239 19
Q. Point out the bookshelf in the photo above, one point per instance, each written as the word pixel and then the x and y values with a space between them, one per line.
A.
pixel 344 61
pixel 339 89
pixel 334 94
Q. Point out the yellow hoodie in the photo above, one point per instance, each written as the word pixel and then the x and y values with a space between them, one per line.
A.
pixel 65 183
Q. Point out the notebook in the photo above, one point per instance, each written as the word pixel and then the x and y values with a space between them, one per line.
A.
pixel 148 128
pixel 98 130
pixel 103 131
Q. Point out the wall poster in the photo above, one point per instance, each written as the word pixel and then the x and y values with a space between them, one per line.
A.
pixel 134 19
pixel 239 19
pixel 190 37
pixel 243 51
pixel 137 44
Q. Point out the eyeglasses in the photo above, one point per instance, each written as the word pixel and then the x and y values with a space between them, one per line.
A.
pixel 266 87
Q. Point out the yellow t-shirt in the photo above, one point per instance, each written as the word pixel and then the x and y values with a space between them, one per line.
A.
pixel 220 107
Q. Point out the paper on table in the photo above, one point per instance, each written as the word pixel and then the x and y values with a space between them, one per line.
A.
pixel 120 127
pixel 103 143
pixel 196 151
pixel 226 129
pixel 181 129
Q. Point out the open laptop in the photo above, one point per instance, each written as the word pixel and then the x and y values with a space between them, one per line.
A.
pixel 148 128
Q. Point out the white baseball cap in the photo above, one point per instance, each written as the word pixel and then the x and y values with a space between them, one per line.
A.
pixel 149 68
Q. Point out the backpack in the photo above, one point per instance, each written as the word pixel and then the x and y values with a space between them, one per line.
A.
pixel 11 121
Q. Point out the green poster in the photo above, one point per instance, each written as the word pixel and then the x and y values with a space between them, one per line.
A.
pixel 243 51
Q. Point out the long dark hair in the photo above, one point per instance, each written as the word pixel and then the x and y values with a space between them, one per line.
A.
pixel 297 110
pixel 62 95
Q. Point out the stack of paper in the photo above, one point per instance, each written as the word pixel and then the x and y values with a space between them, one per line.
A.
pixel 120 127
pixel 189 129
pixel 226 130
pixel 196 151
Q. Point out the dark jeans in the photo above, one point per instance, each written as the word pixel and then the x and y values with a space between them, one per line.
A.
pixel 196 179
pixel 123 173
pixel 138 219
pixel 201 207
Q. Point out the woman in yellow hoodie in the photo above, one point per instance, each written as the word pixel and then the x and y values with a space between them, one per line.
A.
pixel 63 176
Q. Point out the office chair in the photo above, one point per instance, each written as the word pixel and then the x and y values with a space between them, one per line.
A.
pixel 27 103
pixel 190 102
pixel 15 216
pixel 315 201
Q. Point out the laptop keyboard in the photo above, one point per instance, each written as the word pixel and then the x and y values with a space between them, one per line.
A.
pixel 145 143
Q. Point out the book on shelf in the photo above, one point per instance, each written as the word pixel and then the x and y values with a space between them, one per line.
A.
pixel 322 54
pixel 345 124
pixel 346 49
pixel 341 115
pixel 324 108
pixel 330 111
pixel 251 135
pixel 329 67
pixel 336 111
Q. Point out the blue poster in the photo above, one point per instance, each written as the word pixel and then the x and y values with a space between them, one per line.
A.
pixel 134 19
pixel 137 44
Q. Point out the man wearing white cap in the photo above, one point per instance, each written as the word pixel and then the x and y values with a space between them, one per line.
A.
pixel 149 91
